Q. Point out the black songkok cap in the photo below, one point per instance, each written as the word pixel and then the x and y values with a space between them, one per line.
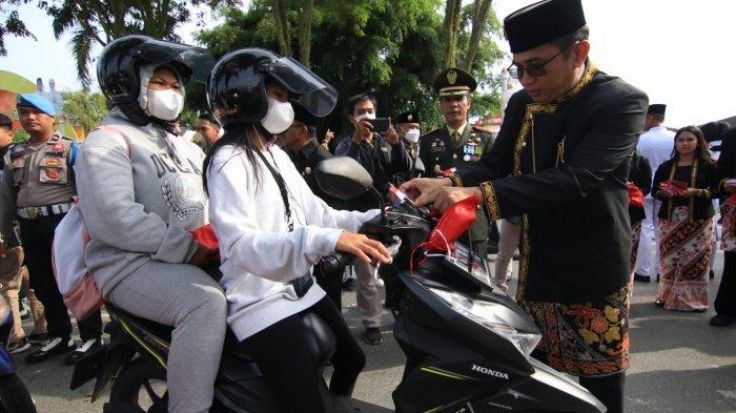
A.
pixel 407 117
pixel 657 109
pixel 302 115
pixel 454 82
pixel 542 22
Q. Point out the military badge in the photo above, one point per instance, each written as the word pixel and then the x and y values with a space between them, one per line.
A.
pixel 451 77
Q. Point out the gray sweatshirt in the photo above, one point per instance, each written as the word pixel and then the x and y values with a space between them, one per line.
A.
pixel 140 192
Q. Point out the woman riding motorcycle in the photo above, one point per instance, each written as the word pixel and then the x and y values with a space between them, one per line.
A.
pixel 272 229
pixel 140 195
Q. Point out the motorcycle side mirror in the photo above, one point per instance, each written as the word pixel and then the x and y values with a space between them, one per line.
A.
pixel 343 177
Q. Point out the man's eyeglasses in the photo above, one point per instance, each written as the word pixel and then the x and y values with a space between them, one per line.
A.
pixel 533 69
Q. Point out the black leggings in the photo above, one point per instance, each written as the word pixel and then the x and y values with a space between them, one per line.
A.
pixel 608 389
pixel 282 353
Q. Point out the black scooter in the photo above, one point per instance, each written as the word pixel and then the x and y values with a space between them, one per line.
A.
pixel 467 347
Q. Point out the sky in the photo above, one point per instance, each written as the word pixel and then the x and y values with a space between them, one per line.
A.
pixel 680 52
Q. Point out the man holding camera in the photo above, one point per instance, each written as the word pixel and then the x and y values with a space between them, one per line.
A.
pixel 383 157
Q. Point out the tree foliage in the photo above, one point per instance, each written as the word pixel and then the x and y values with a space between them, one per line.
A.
pixel 10 22
pixel 99 22
pixel 83 107
pixel 393 48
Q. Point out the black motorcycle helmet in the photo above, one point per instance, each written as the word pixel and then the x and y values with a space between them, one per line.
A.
pixel 236 89
pixel 118 68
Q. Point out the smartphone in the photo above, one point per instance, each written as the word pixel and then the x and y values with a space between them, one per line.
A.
pixel 380 125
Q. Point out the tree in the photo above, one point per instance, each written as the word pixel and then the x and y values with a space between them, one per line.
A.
pixel 394 49
pixel 480 17
pixel 305 30
pixel 453 10
pixel 99 22
pixel 10 23
pixel 86 108
pixel 282 27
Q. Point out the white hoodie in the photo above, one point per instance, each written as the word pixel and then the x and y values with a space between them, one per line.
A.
pixel 259 255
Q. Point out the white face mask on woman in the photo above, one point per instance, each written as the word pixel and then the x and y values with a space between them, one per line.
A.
pixel 279 117
pixel 164 104
pixel 412 135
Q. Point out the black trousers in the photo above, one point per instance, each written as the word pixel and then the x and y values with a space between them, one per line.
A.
pixel 37 236
pixel 725 303
pixel 281 353
pixel 608 389
pixel 331 282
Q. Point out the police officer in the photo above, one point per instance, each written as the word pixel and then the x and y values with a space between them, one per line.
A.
pixel 39 187
pixel 300 141
pixel 457 144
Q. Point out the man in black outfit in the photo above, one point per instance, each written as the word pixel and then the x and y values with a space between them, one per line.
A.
pixel 383 157
pixel 561 160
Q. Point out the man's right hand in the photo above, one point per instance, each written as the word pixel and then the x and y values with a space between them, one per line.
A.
pixel 417 186
pixel 363 131
pixel 2 249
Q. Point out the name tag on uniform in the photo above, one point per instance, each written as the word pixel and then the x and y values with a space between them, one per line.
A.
pixel 53 162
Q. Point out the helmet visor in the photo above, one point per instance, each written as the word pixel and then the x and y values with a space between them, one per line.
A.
pixel 314 94
pixel 198 60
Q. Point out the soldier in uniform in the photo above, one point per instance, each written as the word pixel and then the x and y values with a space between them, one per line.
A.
pixel 210 130
pixel 300 141
pixel 561 160
pixel 409 130
pixel 39 187
pixel 457 144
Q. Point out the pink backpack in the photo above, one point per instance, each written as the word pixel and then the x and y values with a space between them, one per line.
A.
pixel 81 294
pixel 76 284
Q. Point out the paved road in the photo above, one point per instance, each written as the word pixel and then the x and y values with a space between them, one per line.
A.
pixel 679 364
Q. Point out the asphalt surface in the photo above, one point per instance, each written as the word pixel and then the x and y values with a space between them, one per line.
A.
pixel 679 364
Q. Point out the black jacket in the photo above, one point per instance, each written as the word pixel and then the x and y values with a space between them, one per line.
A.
pixel 382 160
pixel 306 161
pixel 706 177
pixel 570 164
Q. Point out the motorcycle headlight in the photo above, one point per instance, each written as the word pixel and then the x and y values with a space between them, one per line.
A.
pixel 489 315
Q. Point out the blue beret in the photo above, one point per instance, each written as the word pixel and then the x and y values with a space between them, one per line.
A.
pixel 37 101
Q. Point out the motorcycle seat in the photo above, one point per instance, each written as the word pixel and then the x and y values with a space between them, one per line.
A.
pixel 232 345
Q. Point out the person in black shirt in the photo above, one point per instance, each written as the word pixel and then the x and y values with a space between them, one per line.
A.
pixel 383 157
pixel 561 161
pixel 685 222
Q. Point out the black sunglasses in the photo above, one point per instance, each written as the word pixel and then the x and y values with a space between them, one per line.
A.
pixel 533 69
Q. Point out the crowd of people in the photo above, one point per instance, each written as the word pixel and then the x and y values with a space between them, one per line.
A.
pixel 581 178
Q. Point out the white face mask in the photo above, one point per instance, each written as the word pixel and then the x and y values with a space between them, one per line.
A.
pixel 367 115
pixel 279 117
pixel 164 104
pixel 412 135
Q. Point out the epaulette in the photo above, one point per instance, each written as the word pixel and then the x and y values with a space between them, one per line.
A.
pixel 431 132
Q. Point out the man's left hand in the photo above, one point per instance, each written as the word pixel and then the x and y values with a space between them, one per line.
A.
pixel 442 197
